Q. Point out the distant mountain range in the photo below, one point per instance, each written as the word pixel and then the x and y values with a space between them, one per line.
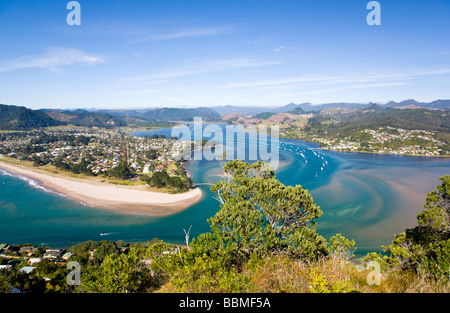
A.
pixel 22 118
pixel 247 111
pixel 163 114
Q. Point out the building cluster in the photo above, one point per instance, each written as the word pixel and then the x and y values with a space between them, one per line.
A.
pixel 27 257
pixel 100 150
pixel 390 140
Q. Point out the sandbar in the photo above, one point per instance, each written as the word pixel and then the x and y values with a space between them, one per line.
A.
pixel 104 195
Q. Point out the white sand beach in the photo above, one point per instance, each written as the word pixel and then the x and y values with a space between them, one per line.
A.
pixel 122 199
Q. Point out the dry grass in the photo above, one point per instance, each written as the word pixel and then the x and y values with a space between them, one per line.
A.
pixel 333 274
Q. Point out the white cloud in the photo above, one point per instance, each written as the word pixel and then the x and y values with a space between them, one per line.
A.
pixel 53 59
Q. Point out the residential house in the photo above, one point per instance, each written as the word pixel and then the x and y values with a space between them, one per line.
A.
pixel 27 269
pixel 53 253
pixel 34 260
pixel 67 255
pixel 30 250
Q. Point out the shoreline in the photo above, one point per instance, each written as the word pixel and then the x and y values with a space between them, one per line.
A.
pixel 121 199
pixel 369 152
pixel 395 154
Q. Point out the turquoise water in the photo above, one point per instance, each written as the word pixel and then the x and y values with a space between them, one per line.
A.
pixel 365 197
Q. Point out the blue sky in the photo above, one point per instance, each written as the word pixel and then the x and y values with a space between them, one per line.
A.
pixel 185 53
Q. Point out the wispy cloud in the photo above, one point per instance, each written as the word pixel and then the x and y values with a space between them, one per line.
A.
pixel 259 41
pixel 279 49
pixel 349 87
pixel 186 33
pixel 53 59
pixel 375 79
pixel 138 92
pixel 440 53
pixel 203 67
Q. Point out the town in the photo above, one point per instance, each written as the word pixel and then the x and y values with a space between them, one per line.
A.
pixel 117 156
pixel 386 140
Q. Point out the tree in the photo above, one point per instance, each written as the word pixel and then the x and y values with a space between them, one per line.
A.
pixel 117 274
pixel 106 248
pixel 121 171
pixel 159 179
pixel 436 216
pixel 151 154
pixel 203 268
pixel 11 278
pixel 260 215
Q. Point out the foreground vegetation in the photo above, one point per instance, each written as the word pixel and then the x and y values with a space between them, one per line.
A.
pixel 263 239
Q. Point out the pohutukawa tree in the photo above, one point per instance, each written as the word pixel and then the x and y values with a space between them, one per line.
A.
pixel 260 215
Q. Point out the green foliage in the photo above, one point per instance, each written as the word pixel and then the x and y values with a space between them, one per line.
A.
pixel 205 274
pixel 21 118
pixel 121 171
pixel 265 115
pixel 180 114
pixel 105 249
pixel 164 260
pixel 205 267
pixel 84 118
pixel 29 283
pixel 84 246
pixel 437 260
pixel 56 273
pixel 341 246
pixel 162 179
pixel 384 260
pixel 436 215
pixel 78 168
pixel 117 274
pixel 151 154
pixel 261 215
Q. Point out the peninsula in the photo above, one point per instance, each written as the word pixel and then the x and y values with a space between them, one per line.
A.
pixel 102 168
pixel 102 194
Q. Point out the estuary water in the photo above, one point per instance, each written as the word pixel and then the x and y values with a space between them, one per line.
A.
pixel 366 197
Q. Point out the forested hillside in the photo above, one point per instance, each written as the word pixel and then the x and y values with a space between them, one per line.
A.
pixel 85 118
pixel 20 118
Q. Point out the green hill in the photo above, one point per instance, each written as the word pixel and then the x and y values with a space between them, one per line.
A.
pixel 180 114
pixel 424 119
pixel 84 118
pixel 21 118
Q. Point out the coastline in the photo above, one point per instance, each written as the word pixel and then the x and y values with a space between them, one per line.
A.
pixel 383 153
pixel 121 199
